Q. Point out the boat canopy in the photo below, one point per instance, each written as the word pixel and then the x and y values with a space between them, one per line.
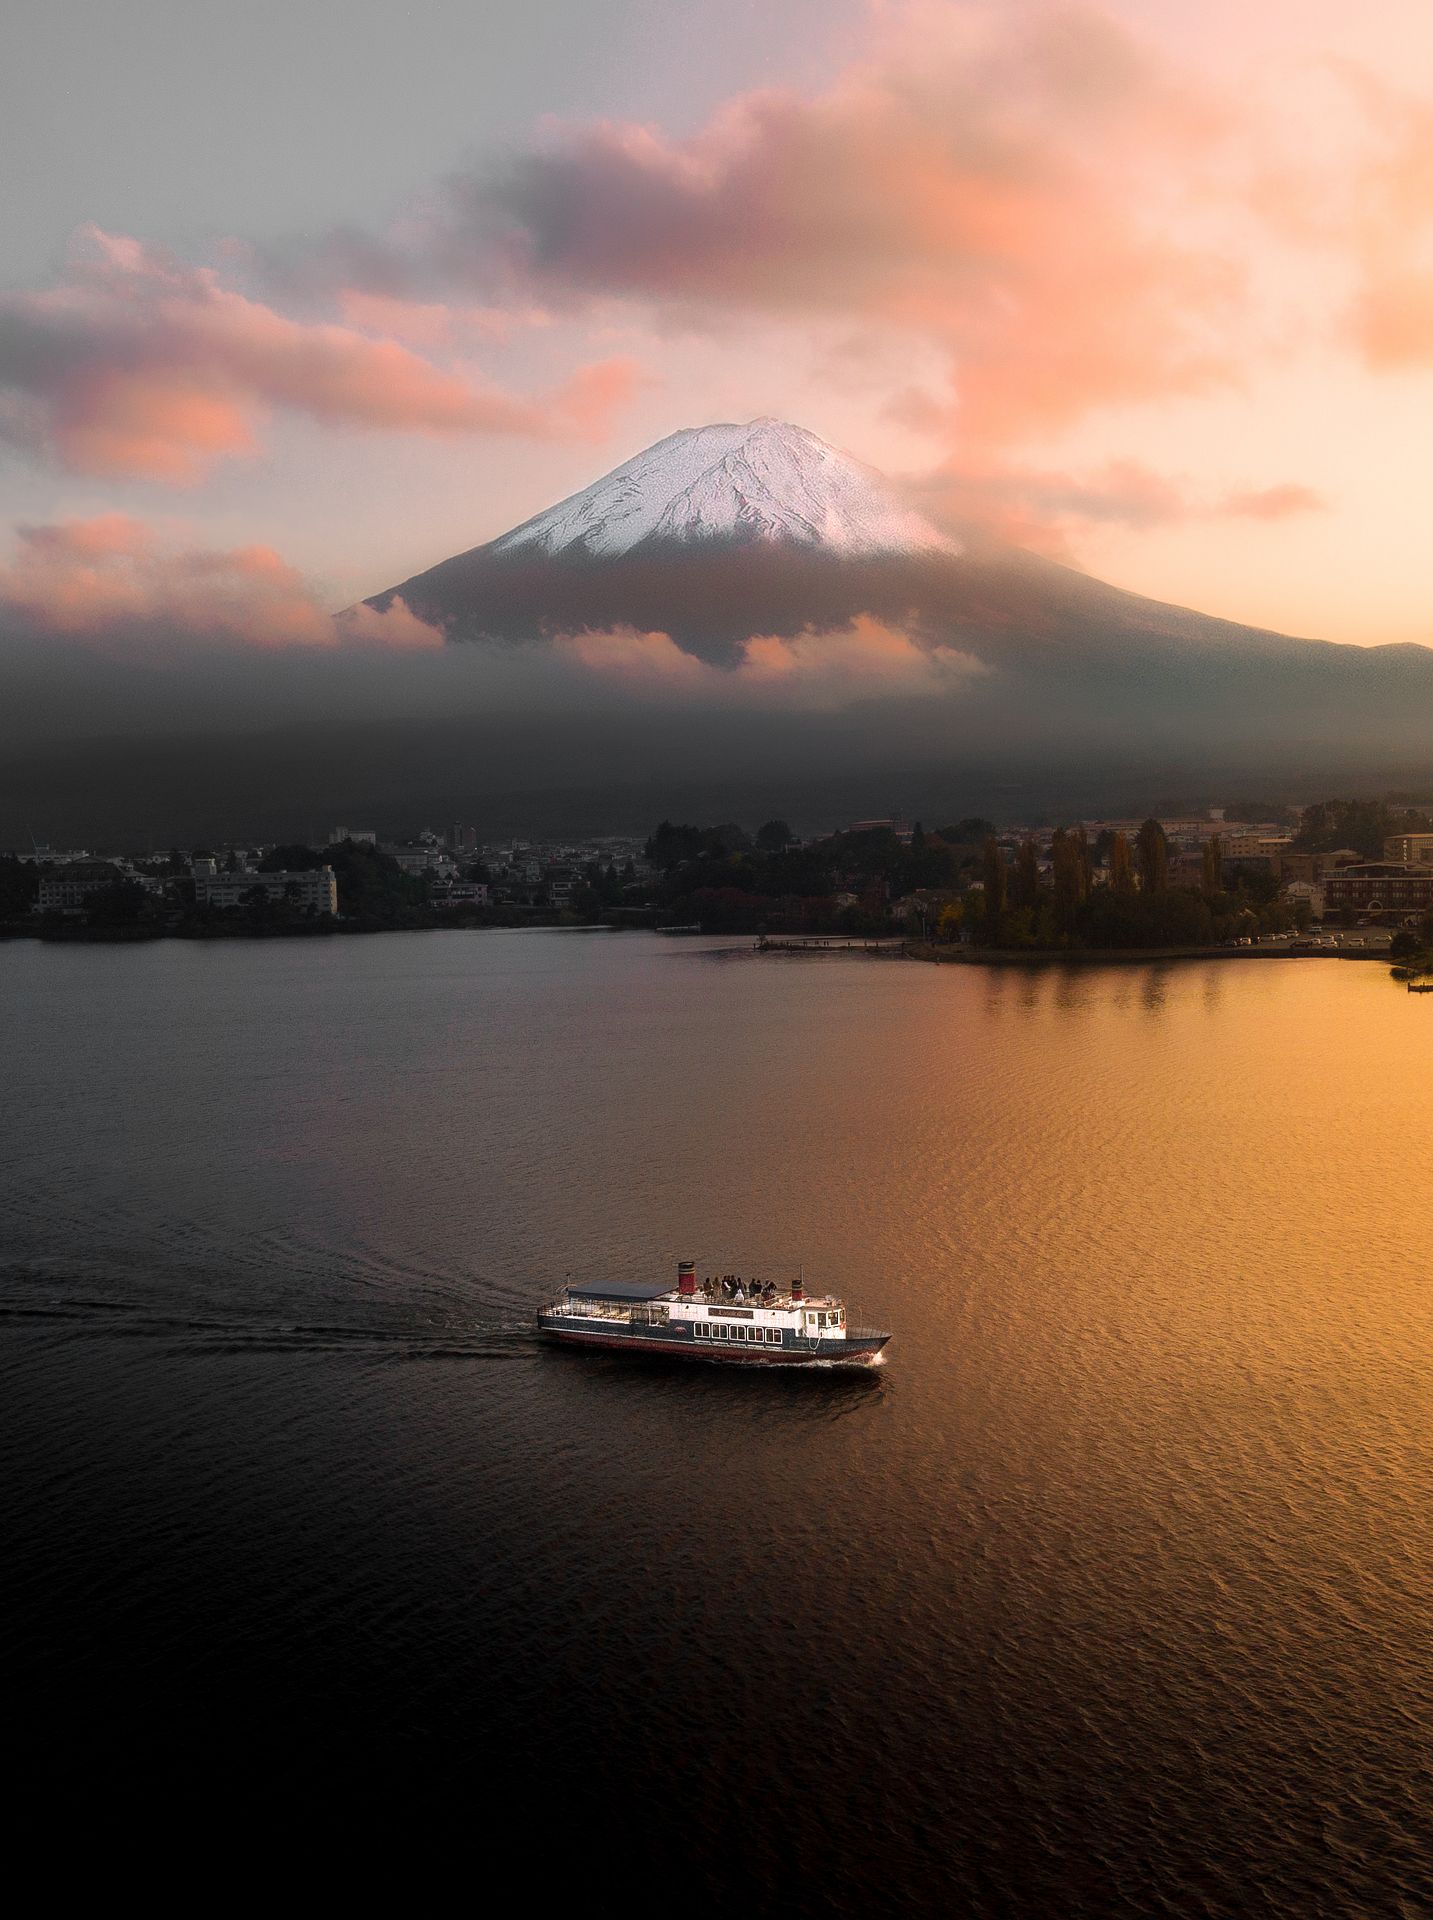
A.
pixel 618 1289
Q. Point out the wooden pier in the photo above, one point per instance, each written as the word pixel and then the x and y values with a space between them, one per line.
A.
pixel 829 943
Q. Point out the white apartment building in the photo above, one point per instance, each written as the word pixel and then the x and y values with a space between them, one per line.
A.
pixel 431 859
pixel 314 892
pixel 67 889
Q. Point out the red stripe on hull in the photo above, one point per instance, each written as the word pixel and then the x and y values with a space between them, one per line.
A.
pixel 629 1343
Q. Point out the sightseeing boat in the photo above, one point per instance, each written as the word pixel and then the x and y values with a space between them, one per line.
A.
pixel 721 1317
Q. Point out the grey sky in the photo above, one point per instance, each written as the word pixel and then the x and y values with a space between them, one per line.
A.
pixel 179 119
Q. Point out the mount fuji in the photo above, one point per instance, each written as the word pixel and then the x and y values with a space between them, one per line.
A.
pixel 724 532
pixel 721 532
pixel 1046 688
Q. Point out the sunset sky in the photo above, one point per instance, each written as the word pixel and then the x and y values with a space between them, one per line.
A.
pixel 301 298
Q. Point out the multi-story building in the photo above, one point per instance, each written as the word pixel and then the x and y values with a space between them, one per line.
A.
pixel 1409 849
pixel 560 884
pixel 1313 866
pixel 314 891
pixel 68 889
pixel 1269 847
pixel 360 836
pixel 424 857
pixel 1384 887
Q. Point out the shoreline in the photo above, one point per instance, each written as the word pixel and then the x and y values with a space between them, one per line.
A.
pixel 926 951
pixel 1120 956
pixel 323 929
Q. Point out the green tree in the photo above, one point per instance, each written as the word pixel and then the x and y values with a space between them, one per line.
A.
pixel 972 832
pixel 1152 851
pixel 670 845
pixel 121 905
pixel 293 858
pixel 773 836
pixel 19 886
pixel 1362 824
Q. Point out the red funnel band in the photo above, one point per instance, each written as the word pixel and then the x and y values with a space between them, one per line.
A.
pixel 686 1276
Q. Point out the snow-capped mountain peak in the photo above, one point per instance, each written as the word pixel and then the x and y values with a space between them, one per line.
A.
pixel 763 480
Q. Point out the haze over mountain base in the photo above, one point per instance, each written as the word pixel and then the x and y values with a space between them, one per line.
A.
pixel 739 620
pixel 615 769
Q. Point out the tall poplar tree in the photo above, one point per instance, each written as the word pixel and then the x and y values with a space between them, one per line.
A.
pixel 994 878
pixel 1152 850
pixel 1026 890
pixel 1065 859
pixel 1213 864
pixel 1080 841
pixel 1121 865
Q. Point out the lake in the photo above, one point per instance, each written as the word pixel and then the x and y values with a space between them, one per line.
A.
pixel 1107 1594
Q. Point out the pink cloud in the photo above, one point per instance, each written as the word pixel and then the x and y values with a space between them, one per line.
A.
pixel 1391 219
pixel 121 585
pixel 112 581
pixel 432 324
pixel 395 627
pixel 1010 185
pixel 1045 509
pixel 1272 503
pixel 134 365
pixel 623 653
pixel 832 667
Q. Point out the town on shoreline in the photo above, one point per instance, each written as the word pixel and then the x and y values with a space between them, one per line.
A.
pixel 1340 876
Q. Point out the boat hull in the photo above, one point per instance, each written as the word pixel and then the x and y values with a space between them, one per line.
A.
pixel 860 1350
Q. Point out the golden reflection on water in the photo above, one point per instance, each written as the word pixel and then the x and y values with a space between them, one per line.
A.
pixel 1119 1567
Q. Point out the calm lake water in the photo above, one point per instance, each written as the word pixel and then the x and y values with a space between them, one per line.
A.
pixel 1109 1594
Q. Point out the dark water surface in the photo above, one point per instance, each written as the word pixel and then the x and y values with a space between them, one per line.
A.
pixel 1108 1595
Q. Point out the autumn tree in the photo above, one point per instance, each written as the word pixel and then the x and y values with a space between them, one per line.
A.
pixel 1152 850
pixel 1026 889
